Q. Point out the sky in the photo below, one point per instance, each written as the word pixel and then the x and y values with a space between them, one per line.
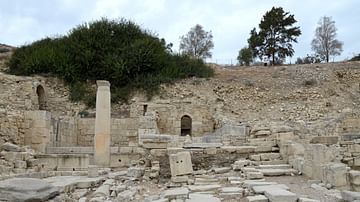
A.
pixel 230 21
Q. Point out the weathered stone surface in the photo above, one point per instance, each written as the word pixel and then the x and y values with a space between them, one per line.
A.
pixel 257 198
pixel 201 188
pixel 180 163
pixel 177 193
pixel 26 189
pixel 350 196
pixel 277 172
pixel 254 175
pixel 10 147
pixel 253 183
pixel 354 177
pixel 195 197
pixel 232 190
pixel 136 172
pixel 335 174
pixel 276 194
pixel 328 140
pixel 126 196
pixel 262 189
pixel 179 179
pixel 307 200
pixel 221 170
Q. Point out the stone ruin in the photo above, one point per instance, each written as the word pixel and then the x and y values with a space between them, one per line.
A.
pixel 168 151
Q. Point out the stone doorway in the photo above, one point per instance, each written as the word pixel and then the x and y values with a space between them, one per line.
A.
pixel 186 125
pixel 41 97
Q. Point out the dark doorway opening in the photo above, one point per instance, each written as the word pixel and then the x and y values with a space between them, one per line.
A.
pixel 186 125
pixel 41 97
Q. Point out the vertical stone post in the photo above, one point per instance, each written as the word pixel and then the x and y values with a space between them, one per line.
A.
pixel 102 124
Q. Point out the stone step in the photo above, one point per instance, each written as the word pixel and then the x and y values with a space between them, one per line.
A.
pixel 278 166
pixel 252 183
pixel 278 172
pixel 262 189
pixel 276 194
pixel 202 188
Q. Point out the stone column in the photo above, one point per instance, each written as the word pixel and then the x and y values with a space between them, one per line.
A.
pixel 102 124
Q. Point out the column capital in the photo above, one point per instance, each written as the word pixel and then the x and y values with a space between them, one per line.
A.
pixel 102 83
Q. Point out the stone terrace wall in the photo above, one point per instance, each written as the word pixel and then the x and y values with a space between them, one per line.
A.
pixel 170 113
pixel 124 132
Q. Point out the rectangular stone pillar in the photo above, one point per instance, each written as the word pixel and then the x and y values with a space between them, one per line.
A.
pixel 102 124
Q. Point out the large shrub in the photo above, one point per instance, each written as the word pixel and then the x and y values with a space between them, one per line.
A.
pixel 115 50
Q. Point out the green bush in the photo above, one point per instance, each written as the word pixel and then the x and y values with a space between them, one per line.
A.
pixel 115 50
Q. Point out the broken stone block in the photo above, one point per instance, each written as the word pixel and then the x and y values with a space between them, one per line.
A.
pixel 136 172
pixel 180 179
pixel 20 164
pixel 26 189
pixel 126 196
pixel 335 174
pixel 307 200
pixel 254 175
pixel 231 193
pixel 32 162
pixel 350 195
pixel 197 197
pixel 202 188
pixel 269 156
pixel 257 198
pixel 255 157
pixel 93 171
pixel 277 172
pixel 180 163
pixel 328 140
pixel 221 170
pixel 240 164
pixel 276 194
pixel 263 188
pixel 10 147
pixel 177 193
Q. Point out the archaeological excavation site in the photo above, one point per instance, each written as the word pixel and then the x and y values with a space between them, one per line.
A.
pixel 280 133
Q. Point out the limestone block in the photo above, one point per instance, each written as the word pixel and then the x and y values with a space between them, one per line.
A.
pixel 357 161
pixel 350 196
pixel 222 170
pixel 276 194
pixel 355 148
pixel 262 133
pixel 10 147
pixel 203 188
pixel 254 175
pixel 257 198
pixel 180 163
pixel 18 189
pixel 177 193
pixel 335 174
pixel 328 140
pixel 136 172
pixel 180 179
pixel 32 162
pixel 20 164
pixel 263 188
pixel 269 156
pixel 255 157
pixel 307 200
pixel 126 196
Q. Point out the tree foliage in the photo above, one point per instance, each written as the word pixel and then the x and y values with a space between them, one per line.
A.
pixel 275 36
pixel 115 50
pixel 197 43
pixel 355 58
pixel 325 43
pixel 245 56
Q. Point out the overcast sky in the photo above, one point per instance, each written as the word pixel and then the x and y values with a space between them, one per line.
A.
pixel 24 21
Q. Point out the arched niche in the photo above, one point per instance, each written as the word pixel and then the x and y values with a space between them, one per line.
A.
pixel 40 91
pixel 186 125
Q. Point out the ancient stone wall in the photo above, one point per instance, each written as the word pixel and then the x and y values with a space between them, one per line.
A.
pixel 170 114
pixel 124 132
